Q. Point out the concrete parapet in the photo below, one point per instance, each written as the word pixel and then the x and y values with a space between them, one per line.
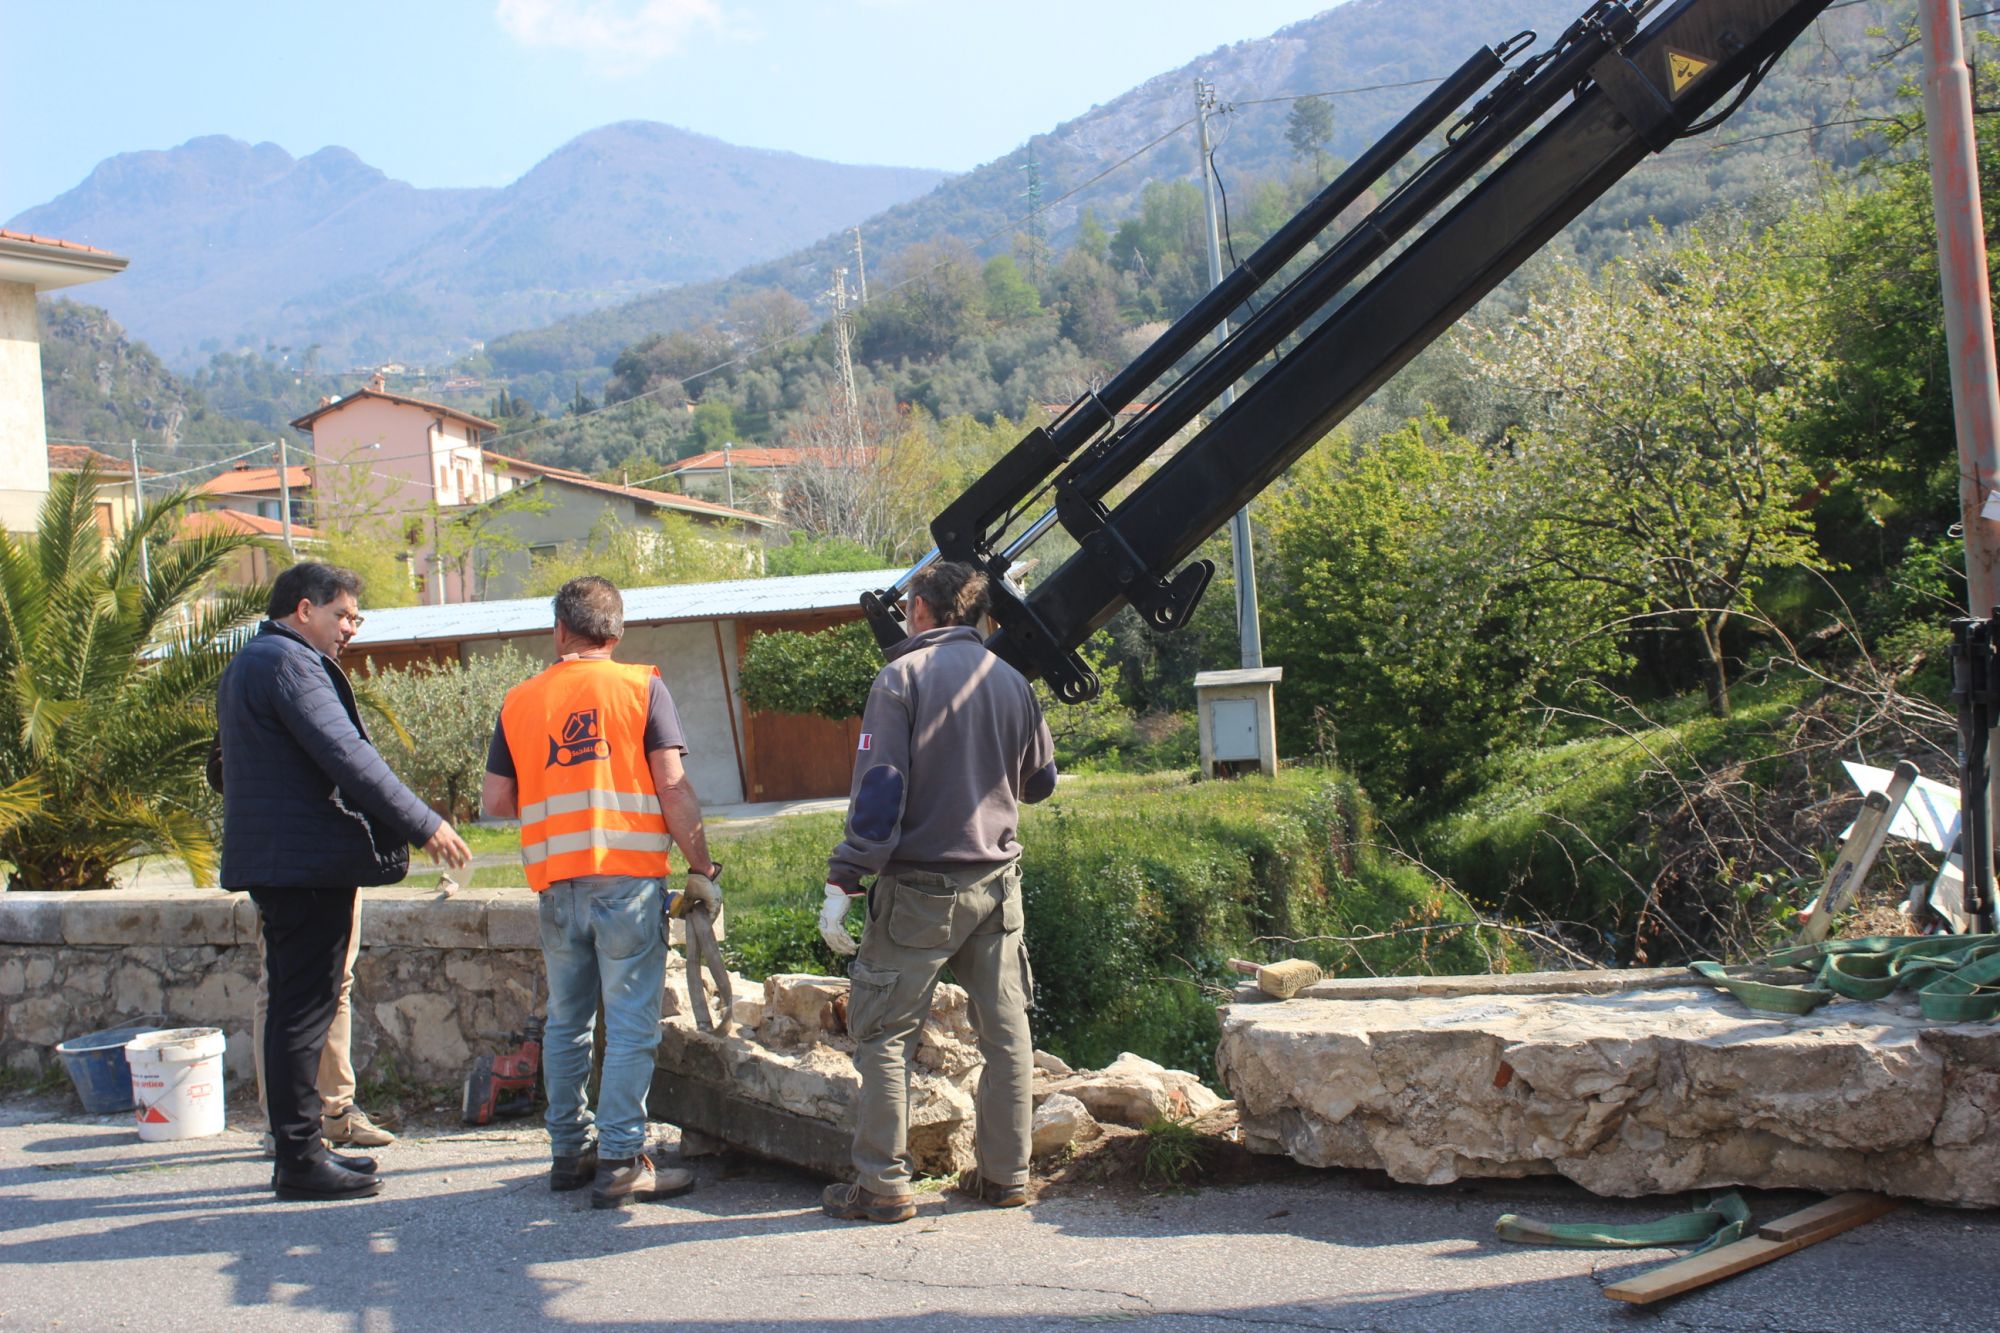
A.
pixel 1634 1092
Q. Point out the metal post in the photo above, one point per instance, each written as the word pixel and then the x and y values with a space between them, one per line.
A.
pixel 1249 634
pixel 1968 319
pixel 285 500
pixel 139 512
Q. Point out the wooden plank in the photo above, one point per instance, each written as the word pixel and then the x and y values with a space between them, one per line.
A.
pixel 1858 853
pixel 1823 1213
pixel 1828 1220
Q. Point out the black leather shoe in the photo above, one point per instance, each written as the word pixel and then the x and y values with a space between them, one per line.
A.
pixel 355 1162
pixel 322 1180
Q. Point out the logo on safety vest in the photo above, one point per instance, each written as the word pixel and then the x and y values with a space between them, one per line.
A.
pixel 582 741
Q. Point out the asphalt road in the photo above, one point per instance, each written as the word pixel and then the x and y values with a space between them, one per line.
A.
pixel 100 1231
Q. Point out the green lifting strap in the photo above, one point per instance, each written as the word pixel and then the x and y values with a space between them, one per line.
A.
pixel 1725 1218
pixel 1956 978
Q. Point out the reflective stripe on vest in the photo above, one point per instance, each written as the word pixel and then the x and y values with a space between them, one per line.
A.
pixel 577 734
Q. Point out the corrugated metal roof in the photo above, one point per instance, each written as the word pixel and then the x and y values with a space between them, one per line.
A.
pixel 643 606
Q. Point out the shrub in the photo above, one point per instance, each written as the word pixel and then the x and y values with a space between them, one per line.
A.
pixel 444 714
pixel 827 673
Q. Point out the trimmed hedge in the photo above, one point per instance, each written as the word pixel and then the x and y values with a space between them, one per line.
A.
pixel 1138 889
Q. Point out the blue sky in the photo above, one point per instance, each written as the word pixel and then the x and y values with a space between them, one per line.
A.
pixel 474 92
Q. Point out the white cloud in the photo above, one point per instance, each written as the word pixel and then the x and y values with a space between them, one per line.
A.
pixel 620 35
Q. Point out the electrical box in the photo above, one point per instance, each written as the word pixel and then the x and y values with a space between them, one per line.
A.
pixel 1238 714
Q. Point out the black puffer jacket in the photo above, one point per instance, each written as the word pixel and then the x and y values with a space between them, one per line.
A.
pixel 302 784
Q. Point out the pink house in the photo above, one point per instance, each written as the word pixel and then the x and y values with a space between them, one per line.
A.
pixel 388 455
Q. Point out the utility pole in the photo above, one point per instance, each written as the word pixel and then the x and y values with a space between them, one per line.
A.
pixel 1968 326
pixel 860 266
pixel 1037 237
pixel 1249 635
pixel 851 404
pixel 285 500
pixel 139 512
pixel 728 475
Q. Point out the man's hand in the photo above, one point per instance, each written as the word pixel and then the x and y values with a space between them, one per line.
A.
pixel 705 889
pixel 833 921
pixel 446 846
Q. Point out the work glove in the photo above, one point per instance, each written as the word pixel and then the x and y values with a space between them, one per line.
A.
pixel 702 890
pixel 833 921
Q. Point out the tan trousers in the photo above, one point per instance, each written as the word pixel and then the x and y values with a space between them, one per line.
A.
pixel 918 921
pixel 336 1058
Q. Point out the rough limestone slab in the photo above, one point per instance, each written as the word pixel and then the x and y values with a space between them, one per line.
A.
pixel 786 1088
pixel 1634 1093
pixel 1586 982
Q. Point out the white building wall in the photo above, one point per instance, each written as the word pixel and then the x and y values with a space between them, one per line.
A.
pixel 24 444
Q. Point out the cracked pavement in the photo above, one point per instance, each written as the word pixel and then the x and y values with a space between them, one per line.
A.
pixel 98 1230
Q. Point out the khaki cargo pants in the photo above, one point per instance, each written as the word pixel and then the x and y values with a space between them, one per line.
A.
pixel 918 921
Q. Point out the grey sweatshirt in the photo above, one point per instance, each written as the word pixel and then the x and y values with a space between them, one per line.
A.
pixel 952 742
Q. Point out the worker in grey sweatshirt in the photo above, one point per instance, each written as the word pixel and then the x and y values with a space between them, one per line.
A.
pixel 952 741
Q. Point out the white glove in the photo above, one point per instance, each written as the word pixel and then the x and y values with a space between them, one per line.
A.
pixel 833 921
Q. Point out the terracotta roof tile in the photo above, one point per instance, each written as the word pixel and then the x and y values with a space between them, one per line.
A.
pixel 256 481
pixel 305 422
pixel 32 239
pixel 72 457
pixel 754 456
pixel 205 521
pixel 660 499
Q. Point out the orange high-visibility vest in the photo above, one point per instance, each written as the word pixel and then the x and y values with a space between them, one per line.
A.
pixel 577 733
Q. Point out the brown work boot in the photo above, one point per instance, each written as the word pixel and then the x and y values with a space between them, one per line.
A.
pixel 573 1172
pixel 623 1181
pixel 851 1203
pixel 984 1190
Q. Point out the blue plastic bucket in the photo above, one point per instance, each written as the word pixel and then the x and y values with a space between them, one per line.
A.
pixel 96 1065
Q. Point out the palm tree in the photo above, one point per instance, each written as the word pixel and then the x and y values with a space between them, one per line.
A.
pixel 109 656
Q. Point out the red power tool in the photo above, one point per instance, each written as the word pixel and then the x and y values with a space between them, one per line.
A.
pixel 505 1085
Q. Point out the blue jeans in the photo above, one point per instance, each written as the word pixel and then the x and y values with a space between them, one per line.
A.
pixel 602 932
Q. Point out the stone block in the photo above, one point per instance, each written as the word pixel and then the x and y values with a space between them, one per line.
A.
pixel 422 922
pixel 423 1029
pixel 806 1001
pixel 1629 1093
pixel 1135 1091
pixel 1060 1121
pixel 129 917
pixel 514 920
pixel 31 918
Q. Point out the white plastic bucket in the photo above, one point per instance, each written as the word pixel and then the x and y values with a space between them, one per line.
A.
pixel 177 1083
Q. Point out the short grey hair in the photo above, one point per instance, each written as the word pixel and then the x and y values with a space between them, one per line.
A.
pixel 590 608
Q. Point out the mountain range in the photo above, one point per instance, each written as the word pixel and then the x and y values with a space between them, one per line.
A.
pixel 640 227
pixel 241 245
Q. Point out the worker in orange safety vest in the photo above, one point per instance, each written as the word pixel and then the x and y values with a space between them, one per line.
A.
pixel 588 754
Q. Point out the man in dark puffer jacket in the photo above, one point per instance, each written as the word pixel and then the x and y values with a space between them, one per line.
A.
pixel 309 812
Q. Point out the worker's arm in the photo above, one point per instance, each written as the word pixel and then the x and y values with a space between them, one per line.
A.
pixel 500 797
pixel 879 791
pixel 681 808
pixel 500 789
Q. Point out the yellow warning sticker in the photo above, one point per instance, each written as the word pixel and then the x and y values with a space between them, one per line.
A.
pixel 1683 69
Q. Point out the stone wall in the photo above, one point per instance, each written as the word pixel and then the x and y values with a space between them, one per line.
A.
pixel 438 979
